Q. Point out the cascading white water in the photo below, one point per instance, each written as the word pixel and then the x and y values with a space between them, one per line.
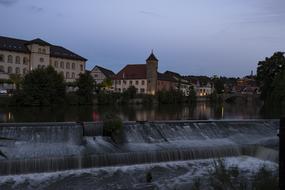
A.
pixel 144 143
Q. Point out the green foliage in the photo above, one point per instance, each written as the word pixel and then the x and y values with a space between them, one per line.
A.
pixel 230 178
pixel 265 179
pixel 267 72
pixel 170 97
pixel 148 177
pixel 86 87
pixel 107 83
pixel 271 76
pixel 197 184
pixel 192 95
pixel 113 127
pixel 129 94
pixel 16 80
pixel 42 86
pixel 219 85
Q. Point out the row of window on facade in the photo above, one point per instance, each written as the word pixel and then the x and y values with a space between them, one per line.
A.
pixel 130 82
pixel 67 74
pixel 42 50
pixel 67 65
pixel 142 90
pixel 10 70
pixel 10 59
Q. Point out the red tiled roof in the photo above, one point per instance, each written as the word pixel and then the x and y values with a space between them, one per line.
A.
pixel 137 71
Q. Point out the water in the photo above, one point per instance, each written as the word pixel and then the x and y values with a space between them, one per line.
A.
pixel 166 176
pixel 202 110
pixel 143 143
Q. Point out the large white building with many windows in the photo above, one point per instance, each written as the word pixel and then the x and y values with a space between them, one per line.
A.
pixel 21 56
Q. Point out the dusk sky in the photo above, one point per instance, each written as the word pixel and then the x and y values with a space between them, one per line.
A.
pixel 193 37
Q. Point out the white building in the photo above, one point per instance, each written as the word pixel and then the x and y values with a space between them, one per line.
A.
pixel 100 74
pixel 21 56
pixel 204 90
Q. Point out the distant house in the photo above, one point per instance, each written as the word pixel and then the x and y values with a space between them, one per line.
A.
pixel 141 76
pixel 100 74
pixel 165 82
pixel 181 83
pixel 204 90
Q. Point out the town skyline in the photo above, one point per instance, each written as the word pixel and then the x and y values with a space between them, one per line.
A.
pixel 227 39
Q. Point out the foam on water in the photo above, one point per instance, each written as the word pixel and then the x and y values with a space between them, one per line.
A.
pixel 166 176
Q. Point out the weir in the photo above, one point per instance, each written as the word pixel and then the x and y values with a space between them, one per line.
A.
pixel 148 142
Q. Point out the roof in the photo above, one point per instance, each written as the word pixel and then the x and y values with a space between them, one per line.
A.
pixel 165 77
pixel 18 45
pixel 39 42
pixel 108 73
pixel 173 74
pixel 11 44
pixel 152 57
pixel 136 71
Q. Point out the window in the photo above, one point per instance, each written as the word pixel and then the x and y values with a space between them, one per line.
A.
pixel 119 82
pixel 124 82
pixel 73 75
pixel 73 66
pixel 67 75
pixel 25 61
pixel 131 82
pixel 56 64
pixel 2 58
pixel 62 65
pixel 17 70
pixel 2 69
pixel 18 60
pixel 137 82
pixel 42 60
pixel 95 75
pixel 10 70
pixel 143 82
pixel 67 65
pixel 24 71
pixel 81 67
pixel 44 50
pixel 142 90
pixel 39 50
pixel 10 59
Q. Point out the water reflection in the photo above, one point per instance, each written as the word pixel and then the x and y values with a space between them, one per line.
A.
pixel 201 110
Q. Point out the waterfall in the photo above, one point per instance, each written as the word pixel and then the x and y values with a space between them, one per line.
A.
pixel 43 132
pixel 21 166
pixel 148 142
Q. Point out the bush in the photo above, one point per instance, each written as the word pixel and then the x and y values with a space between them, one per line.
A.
pixel 86 88
pixel 43 86
pixel 230 178
pixel 113 127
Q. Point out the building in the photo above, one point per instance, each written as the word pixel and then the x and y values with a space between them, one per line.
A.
pixel 100 74
pixel 141 76
pixel 181 83
pixel 204 90
pixel 21 56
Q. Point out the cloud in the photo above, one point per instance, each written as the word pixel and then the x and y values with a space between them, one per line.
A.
pixel 36 9
pixel 150 13
pixel 8 2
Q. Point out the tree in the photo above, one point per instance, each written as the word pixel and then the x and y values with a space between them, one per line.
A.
pixel 192 95
pixel 16 80
pixel 219 85
pixel 271 76
pixel 107 83
pixel 43 86
pixel 86 87
pixel 267 72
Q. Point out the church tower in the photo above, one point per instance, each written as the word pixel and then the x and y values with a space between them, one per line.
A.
pixel 151 73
